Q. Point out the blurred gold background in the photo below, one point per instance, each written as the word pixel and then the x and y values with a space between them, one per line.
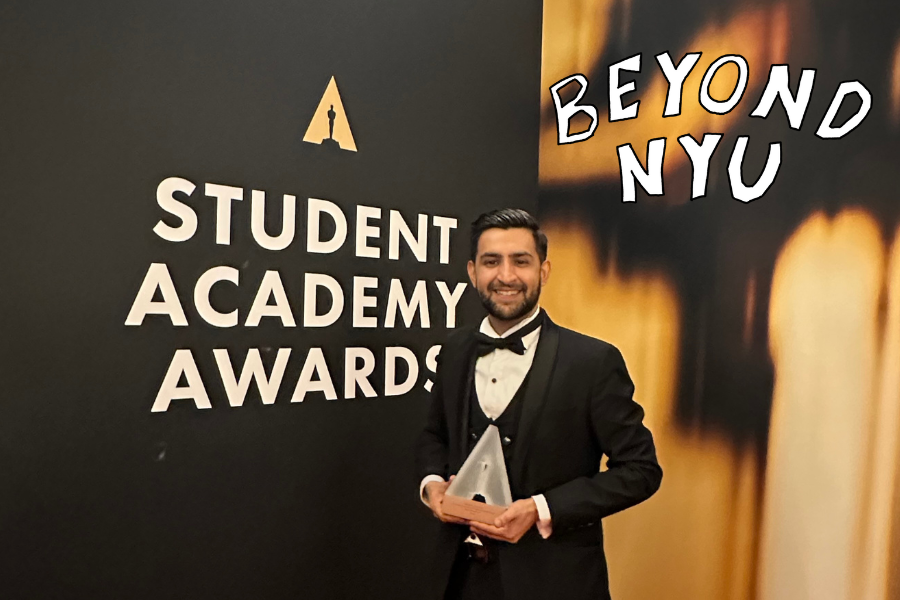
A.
pixel 763 339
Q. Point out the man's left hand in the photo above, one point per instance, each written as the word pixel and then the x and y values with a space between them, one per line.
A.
pixel 512 524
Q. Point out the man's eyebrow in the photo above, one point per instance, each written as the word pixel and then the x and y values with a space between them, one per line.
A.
pixel 499 255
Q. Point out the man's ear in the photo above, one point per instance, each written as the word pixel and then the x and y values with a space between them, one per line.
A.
pixel 545 272
pixel 470 268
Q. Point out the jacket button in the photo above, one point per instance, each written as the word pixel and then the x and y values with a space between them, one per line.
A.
pixel 506 441
pixel 474 436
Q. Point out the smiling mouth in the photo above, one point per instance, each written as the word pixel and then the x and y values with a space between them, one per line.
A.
pixel 506 292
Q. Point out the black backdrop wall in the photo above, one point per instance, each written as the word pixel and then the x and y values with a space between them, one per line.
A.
pixel 102 498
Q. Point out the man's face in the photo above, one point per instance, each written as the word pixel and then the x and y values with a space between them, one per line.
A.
pixel 507 272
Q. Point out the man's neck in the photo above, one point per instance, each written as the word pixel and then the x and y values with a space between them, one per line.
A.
pixel 501 326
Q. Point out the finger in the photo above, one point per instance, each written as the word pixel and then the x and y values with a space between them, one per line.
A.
pixel 453 519
pixel 504 518
pixel 482 532
pixel 501 538
pixel 488 529
pixel 477 528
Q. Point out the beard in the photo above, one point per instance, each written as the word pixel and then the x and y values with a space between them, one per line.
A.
pixel 507 312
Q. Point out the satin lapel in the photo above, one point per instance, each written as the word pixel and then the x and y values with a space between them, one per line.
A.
pixel 460 395
pixel 535 393
pixel 466 396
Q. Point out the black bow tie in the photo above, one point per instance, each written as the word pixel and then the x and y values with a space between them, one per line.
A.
pixel 486 344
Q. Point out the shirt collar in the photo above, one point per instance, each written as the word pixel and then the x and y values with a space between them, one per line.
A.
pixel 487 330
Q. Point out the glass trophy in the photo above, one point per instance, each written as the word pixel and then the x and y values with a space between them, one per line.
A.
pixel 482 476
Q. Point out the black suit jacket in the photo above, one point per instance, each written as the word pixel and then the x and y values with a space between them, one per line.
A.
pixel 577 407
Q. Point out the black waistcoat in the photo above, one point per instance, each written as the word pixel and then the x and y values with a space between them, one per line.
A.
pixel 507 423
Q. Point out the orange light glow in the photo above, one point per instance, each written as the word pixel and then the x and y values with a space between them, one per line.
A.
pixel 574 35
pixel 895 86
pixel 749 311
pixel 833 443
pixel 884 467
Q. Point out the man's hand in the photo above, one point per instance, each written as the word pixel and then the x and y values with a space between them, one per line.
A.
pixel 434 493
pixel 512 524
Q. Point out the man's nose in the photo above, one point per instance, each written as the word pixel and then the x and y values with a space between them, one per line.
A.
pixel 507 274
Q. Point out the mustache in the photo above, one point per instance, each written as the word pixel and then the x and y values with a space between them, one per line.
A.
pixel 492 287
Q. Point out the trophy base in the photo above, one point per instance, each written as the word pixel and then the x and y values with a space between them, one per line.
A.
pixel 471 510
pixel 331 143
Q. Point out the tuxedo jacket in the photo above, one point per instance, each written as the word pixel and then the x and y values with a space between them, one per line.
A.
pixel 577 407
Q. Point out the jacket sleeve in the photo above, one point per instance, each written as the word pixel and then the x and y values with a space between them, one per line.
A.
pixel 633 473
pixel 432 445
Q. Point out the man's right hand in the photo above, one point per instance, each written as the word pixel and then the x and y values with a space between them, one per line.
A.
pixel 434 493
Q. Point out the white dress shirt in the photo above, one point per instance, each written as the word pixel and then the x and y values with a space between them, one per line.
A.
pixel 498 376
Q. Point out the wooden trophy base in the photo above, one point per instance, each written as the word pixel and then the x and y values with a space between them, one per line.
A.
pixel 471 510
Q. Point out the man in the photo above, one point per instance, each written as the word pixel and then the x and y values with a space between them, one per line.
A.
pixel 561 400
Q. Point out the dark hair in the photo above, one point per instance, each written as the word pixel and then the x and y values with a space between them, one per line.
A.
pixel 508 218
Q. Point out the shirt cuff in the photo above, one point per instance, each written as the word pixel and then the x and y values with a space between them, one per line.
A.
pixel 544 525
pixel 428 479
